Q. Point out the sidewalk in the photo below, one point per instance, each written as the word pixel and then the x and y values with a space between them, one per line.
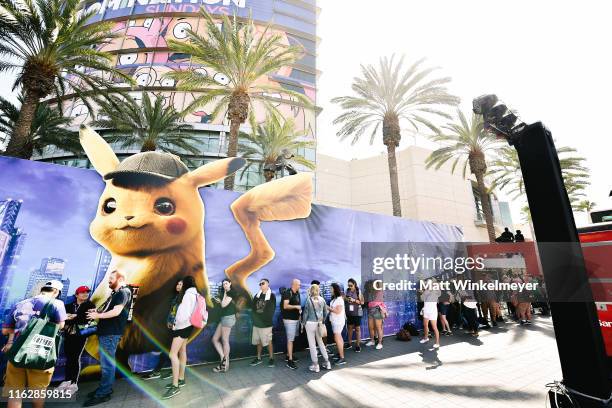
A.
pixel 506 366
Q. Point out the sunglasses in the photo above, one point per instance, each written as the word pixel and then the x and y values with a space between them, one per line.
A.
pixel 262 283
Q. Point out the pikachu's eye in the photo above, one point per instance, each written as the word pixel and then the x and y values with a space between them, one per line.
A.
pixel 164 206
pixel 109 206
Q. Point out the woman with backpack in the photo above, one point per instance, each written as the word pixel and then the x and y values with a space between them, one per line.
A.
pixel 181 331
pixel 220 339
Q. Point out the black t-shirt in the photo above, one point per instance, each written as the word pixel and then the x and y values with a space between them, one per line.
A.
pixel 294 300
pixel 81 315
pixel 263 310
pixel 115 325
pixel 230 309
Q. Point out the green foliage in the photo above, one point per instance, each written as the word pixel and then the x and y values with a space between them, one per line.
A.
pixel 389 90
pixel 146 123
pixel 268 142
pixel 49 127
pixel 461 141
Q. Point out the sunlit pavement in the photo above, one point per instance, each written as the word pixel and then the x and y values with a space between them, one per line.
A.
pixel 506 366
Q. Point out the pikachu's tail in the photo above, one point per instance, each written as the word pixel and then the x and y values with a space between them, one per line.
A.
pixel 284 199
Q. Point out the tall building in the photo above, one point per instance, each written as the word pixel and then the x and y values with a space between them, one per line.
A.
pixel 145 27
pixel 425 194
pixel 103 261
pixel 50 268
pixel 11 244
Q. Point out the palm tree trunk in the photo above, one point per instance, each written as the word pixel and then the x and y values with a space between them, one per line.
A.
pixel 20 145
pixel 391 139
pixel 148 146
pixel 395 196
pixel 232 151
pixel 486 206
pixel 237 112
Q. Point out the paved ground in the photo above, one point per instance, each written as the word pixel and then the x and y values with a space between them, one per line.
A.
pixel 505 367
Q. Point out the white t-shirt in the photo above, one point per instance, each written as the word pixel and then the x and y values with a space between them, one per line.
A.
pixel 337 317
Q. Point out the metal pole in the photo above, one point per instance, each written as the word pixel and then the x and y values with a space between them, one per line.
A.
pixel 577 331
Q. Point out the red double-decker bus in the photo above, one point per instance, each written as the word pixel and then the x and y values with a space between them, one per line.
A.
pixel 596 240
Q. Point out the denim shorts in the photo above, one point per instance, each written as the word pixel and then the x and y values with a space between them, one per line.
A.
pixel 375 313
pixel 228 321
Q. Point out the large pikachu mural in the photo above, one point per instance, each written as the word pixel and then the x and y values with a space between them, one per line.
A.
pixel 150 217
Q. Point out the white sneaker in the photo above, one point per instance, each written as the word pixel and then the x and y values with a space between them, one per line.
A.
pixel 63 385
pixel 370 343
pixel 314 367
pixel 436 346
pixel 73 388
pixel 379 346
pixel 327 365
pixel 423 341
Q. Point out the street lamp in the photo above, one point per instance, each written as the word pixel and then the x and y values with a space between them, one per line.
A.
pixel 579 338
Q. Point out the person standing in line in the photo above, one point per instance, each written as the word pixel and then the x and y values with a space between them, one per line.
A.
pixel 290 312
pixel 112 318
pixel 469 311
pixel 25 379
pixel 444 304
pixel 74 342
pixel 181 331
pixel 354 313
pixel 164 359
pixel 337 318
pixel 228 319
pixel 430 314
pixel 377 312
pixel 315 313
pixel 263 305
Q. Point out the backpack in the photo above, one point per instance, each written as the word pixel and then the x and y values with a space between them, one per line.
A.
pixel 410 328
pixel 37 345
pixel 403 335
pixel 199 316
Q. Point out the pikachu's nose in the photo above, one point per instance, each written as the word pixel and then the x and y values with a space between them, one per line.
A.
pixel 129 217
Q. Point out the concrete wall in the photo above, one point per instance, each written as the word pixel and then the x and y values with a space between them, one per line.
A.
pixel 428 195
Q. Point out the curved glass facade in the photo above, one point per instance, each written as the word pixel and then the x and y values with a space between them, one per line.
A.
pixel 143 29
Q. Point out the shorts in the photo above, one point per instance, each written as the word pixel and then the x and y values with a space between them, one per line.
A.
pixel 337 327
pixel 228 321
pixel 375 313
pixel 291 327
pixel 26 378
pixel 261 335
pixel 183 333
pixel 353 320
pixel 430 311
pixel 443 308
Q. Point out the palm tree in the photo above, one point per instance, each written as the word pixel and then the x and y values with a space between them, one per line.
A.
pixel 467 144
pixel 586 206
pixel 386 95
pixel 48 128
pixel 507 175
pixel 271 140
pixel 233 50
pixel 53 48
pixel 145 123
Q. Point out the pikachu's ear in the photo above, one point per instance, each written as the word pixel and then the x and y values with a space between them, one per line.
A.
pixel 98 151
pixel 215 171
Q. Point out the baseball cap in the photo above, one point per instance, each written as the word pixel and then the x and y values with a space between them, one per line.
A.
pixel 55 284
pixel 82 289
pixel 160 165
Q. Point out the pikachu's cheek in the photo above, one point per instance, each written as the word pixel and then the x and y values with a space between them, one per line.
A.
pixel 176 226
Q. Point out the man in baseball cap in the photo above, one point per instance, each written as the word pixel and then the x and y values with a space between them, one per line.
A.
pixel 74 342
pixel 20 379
